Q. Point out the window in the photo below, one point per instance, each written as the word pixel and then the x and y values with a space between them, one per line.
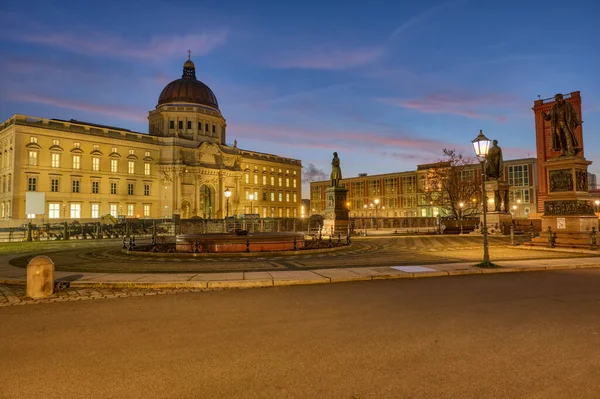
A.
pixel 199 126
pixel 54 185
pixel 272 196
pixel 130 209
pixel 147 210
pixel 114 165
pixel 55 142
pixel 32 184
pixel 287 182
pixel 180 125
pixel 131 167
pixel 147 153
pixel 280 196
pixel 113 210
pixel 264 179
pixel 75 186
pixel 147 169
pixel 130 189
pixel 280 182
pixel 189 125
pixel 75 211
pixel 55 160
pixel 171 124
pixel 95 187
pixel 96 147
pixel 518 175
pixel 287 197
pixel 247 178
pixel 146 189
pixel 54 211
pixel 113 187
pixel 33 139
pixel 247 194
pixel 295 198
pixel 33 158
pixel 255 179
pixel 76 161
pixel 95 211
pixel 95 164
pixel 294 183
pixel 131 152
pixel 206 127
pixel 76 144
pixel 272 180
pixel 114 150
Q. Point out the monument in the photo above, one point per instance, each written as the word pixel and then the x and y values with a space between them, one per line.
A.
pixel 497 190
pixel 336 211
pixel 564 200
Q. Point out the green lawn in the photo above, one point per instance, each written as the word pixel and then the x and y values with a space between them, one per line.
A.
pixel 8 248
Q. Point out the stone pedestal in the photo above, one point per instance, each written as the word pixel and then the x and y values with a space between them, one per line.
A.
pixel 336 211
pixel 498 207
pixel 40 277
pixel 568 208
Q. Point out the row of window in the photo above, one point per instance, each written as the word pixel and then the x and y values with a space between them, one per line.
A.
pixel 76 144
pixel 6 158
pixel 272 180
pixel 207 127
pixel 32 185
pixel 265 196
pixel 58 210
pixel 272 212
pixel 55 162
pixel 5 187
pixel 4 209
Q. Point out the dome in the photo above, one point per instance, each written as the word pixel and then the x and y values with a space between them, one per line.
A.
pixel 188 89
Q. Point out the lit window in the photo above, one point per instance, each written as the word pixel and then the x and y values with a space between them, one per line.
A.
pixel 113 210
pixel 55 142
pixel 54 211
pixel 147 154
pixel 55 159
pixel 272 196
pixel 114 165
pixel 130 209
pixel 147 210
pixel 280 196
pixel 294 182
pixel 264 179
pixel 95 211
pixel 76 145
pixel 33 158
pixel 280 182
pixel 131 167
pixel 287 182
pixel 255 179
pixel 295 198
pixel 114 149
pixel 287 197
pixel 76 162
pixel 247 178
pixel 96 164
pixel 272 180
pixel 147 169
pixel 96 147
pixel 75 211
pixel 131 152
pixel 33 139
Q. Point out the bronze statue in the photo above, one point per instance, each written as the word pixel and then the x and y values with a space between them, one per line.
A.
pixel 336 171
pixel 494 164
pixel 563 122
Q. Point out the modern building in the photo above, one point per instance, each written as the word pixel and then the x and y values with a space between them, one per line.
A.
pixel 183 166
pixel 401 194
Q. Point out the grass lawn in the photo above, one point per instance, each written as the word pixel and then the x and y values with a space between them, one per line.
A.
pixel 8 248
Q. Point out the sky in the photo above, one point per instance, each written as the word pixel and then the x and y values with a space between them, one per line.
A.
pixel 386 84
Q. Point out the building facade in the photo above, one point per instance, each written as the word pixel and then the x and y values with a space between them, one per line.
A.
pixel 182 167
pixel 402 194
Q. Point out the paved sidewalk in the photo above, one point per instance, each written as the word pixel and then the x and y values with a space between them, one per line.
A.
pixel 109 285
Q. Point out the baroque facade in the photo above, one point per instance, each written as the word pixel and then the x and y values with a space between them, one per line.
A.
pixel 182 167
pixel 402 194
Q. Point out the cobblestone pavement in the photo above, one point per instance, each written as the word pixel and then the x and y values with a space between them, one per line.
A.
pixel 372 251
pixel 11 295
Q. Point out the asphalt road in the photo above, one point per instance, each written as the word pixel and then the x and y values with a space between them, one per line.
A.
pixel 518 335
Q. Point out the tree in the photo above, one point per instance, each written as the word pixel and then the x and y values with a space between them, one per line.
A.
pixel 452 181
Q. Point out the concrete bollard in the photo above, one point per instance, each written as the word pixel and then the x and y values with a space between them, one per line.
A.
pixel 40 277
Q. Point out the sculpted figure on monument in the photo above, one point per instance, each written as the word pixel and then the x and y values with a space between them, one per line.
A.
pixel 563 121
pixel 494 163
pixel 336 171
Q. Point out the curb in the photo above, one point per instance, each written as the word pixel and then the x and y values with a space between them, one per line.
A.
pixel 261 283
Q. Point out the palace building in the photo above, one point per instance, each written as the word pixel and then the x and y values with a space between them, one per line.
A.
pixel 183 166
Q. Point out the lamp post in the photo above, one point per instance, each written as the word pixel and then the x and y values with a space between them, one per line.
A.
pixel 597 202
pixel 460 216
pixel 251 197
pixel 376 208
pixel 227 195
pixel 481 145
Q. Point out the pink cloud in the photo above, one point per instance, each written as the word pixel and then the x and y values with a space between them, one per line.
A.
pixel 454 104
pixel 99 43
pixel 326 57
pixel 122 112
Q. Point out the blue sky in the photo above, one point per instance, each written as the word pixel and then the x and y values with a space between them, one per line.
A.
pixel 386 84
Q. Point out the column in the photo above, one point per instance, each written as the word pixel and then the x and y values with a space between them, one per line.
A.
pixel 197 195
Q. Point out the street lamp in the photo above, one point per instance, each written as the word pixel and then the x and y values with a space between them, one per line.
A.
pixel 597 202
pixel 251 197
pixel 376 207
pixel 460 216
pixel 227 195
pixel 481 145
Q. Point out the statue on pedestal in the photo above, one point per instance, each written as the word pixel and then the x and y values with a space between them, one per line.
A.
pixel 336 171
pixel 563 122
pixel 494 163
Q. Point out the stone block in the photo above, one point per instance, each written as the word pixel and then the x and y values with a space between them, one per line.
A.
pixel 40 277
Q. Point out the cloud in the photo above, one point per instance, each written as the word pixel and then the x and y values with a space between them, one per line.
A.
pixel 155 48
pixel 122 112
pixel 326 57
pixel 312 173
pixel 419 20
pixel 455 104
